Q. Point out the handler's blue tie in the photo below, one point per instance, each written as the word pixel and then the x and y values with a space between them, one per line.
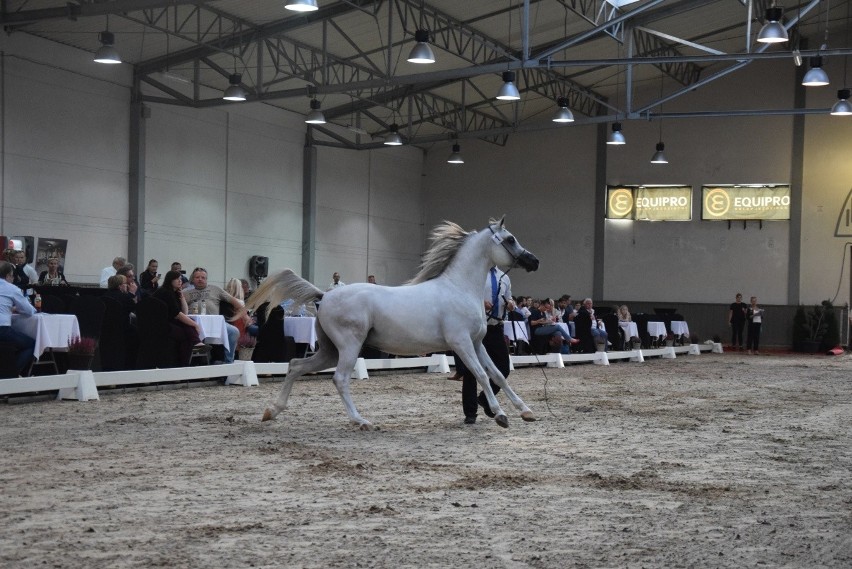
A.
pixel 495 298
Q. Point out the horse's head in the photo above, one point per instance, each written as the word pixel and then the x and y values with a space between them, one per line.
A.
pixel 507 251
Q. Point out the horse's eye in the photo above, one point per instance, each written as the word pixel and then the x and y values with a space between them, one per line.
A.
pixel 511 240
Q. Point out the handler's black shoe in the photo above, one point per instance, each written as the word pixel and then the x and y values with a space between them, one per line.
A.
pixel 483 402
pixel 469 420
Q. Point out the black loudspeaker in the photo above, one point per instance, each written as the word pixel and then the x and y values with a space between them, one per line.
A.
pixel 259 267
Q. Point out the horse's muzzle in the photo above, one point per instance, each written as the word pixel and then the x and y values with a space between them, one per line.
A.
pixel 528 261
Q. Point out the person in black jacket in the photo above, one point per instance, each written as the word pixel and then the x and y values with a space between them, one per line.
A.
pixel 184 330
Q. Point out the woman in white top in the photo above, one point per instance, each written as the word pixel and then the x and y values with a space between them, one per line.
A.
pixel 755 320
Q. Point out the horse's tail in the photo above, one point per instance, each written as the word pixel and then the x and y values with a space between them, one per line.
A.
pixel 281 286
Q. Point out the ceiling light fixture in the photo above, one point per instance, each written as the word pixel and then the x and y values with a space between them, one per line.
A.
pixel 315 116
pixel 508 92
pixel 842 108
pixel 107 52
pixel 773 31
pixel 235 92
pixel 456 157
pixel 421 52
pixel 564 114
pixel 302 5
pixel 616 137
pixel 393 139
pixel 659 157
pixel 816 75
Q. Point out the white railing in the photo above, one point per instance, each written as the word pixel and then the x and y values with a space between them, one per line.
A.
pixel 83 385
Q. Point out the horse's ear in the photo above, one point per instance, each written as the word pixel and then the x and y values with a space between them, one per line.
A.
pixel 502 221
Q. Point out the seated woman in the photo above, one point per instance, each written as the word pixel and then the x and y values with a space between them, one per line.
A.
pixel 624 314
pixel 184 330
pixel 52 276
pixel 240 318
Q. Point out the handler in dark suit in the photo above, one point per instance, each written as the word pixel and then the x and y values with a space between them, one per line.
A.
pixel 498 300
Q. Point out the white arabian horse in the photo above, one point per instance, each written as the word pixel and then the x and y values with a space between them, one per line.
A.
pixel 440 309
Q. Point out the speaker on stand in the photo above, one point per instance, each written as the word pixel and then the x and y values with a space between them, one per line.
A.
pixel 258 268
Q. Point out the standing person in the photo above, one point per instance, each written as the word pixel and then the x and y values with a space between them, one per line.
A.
pixel 755 320
pixel 212 296
pixel 736 320
pixel 335 282
pixel 110 271
pixel 149 280
pixel 184 330
pixel 12 300
pixel 371 279
pixel 497 300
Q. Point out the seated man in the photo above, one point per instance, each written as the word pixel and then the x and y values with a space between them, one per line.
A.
pixel 543 323
pixel 12 300
pixel 212 296
pixel 568 313
pixel 590 328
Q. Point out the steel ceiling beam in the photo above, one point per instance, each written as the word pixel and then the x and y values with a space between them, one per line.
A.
pixel 72 11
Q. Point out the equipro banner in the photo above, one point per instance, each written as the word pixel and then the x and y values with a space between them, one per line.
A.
pixel 720 203
pixel 649 203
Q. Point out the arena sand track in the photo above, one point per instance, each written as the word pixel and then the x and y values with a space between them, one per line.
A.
pixel 705 461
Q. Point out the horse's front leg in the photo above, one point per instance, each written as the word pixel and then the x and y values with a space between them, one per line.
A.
pixel 497 376
pixel 342 377
pixel 471 357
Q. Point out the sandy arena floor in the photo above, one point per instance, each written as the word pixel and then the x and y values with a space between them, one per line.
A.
pixel 704 461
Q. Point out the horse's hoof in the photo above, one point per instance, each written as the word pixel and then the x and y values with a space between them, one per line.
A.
pixel 502 420
pixel 528 416
pixel 367 427
pixel 267 416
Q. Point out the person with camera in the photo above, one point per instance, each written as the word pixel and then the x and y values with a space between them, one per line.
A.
pixel 149 280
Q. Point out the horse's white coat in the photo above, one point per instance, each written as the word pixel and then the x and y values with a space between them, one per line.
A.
pixel 443 313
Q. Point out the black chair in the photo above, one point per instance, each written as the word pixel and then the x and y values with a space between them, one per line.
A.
pixel 272 344
pixel 89 311
pixel 8 361
pixel 614 332
pixel 156 346
pixel 53 304
pixel 114 336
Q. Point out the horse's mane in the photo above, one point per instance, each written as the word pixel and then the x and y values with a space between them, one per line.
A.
pixel 447 238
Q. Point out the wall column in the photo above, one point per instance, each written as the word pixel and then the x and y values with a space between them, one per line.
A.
pixel 309 209
pixel 136 214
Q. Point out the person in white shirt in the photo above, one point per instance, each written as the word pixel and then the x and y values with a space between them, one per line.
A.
pixel 12 300
pixel 754 315
pixel 110 271
pixel 335 282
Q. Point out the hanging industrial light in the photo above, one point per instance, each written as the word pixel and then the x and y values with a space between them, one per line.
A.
pixel 235 92
pixel 773 31
pixel 616 136
pixel 107 52
pixel 302 5
pixel 456 157
pixel 564 114
pixel 421 52
pixel 816 76
pixel 508 92
pixel 842 108
pixel 393 139
pixel 659 157
pixel 315 116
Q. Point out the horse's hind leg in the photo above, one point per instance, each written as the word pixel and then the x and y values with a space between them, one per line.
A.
pixel 342 377
pixel 324 358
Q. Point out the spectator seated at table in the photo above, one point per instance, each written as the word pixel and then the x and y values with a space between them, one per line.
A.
pixel 624 314
pixel 176 266
pixel 132 285
pixel 118 290
pixel 53 276
pixel 238 318
pixel 185 332
pixel 212 296
pixel 543 324
pixel 149 280
pixel 12 299
pixel 589 328
pixel 107 272
pixel 24 275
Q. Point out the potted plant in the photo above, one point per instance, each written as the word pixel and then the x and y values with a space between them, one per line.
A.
pixel 81 352
pixel 245 346
pixel 810 327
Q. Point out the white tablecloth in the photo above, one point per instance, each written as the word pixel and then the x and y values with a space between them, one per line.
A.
pixel 630 329
pixel 656 329
pixel 515 329
pixel 213 329
pixel 52 331
pixel 680 328
pixel 302 328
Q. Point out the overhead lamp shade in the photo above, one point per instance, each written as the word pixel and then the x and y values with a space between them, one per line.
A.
pixel 107 52
pixel 816 76
pixel 564 114
pixel 772 31
pixel 421 52
pixel 659 157
pixel 393 139
pixel 302 5
pixel 842 108
pixel 616 136
pixel 235 92
pixel 508 92
pixel 315 116
pixel 456 157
